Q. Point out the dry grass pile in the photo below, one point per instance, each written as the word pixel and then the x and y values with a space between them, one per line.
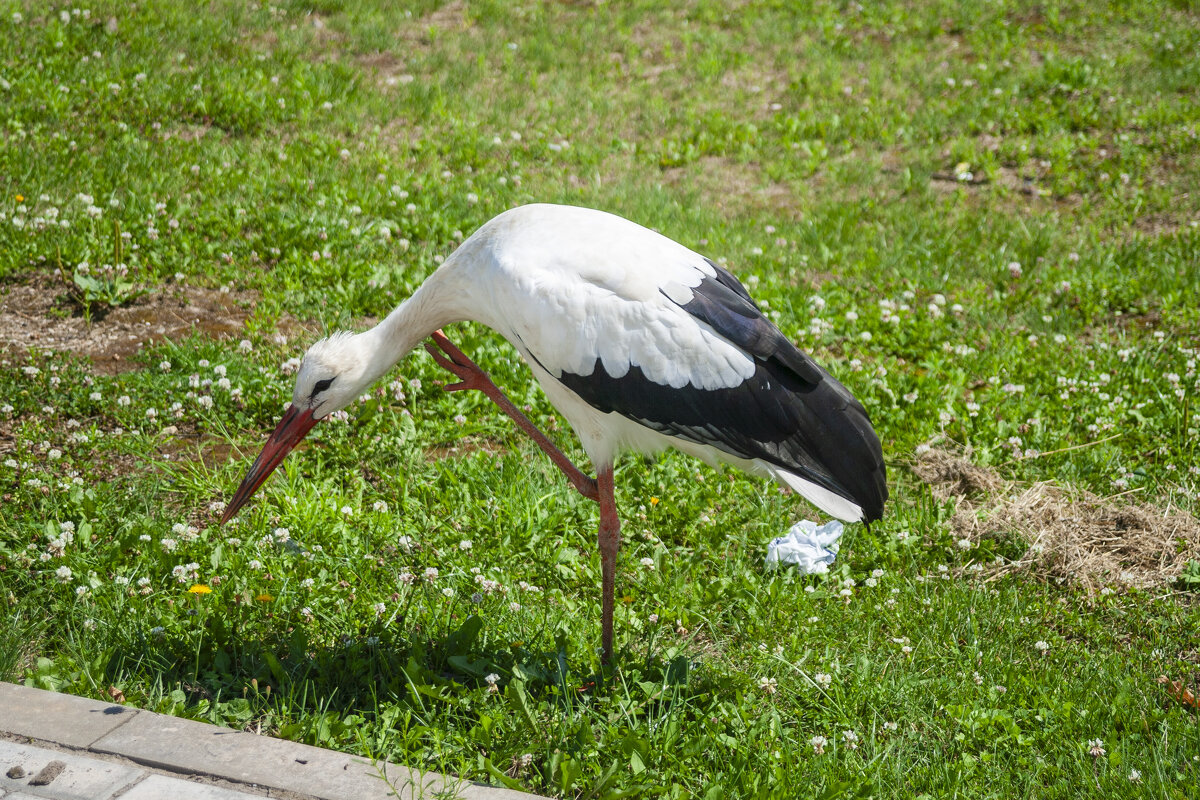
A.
pixel 1072 535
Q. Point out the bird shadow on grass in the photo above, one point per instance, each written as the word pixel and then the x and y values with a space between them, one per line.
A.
pixel 324 692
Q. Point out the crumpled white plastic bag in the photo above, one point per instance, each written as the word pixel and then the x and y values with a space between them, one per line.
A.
pixel 811 547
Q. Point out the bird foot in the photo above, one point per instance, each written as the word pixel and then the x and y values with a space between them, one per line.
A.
pixel 471 376
pixel 468 372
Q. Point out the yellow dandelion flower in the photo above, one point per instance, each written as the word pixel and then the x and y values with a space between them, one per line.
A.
pixel 264 598
pixel 20 198
pixel 653 501
pixel 199 588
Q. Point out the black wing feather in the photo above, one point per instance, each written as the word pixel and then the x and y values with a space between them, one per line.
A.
pixel 791 413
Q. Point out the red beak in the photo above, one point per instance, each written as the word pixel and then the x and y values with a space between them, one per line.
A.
pixel 291 429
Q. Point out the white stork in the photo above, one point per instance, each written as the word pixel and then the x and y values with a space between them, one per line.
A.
pixel 639 342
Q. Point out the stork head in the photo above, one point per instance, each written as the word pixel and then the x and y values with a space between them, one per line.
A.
pixel 334 372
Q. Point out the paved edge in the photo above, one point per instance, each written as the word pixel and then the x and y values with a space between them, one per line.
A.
pixel 185 747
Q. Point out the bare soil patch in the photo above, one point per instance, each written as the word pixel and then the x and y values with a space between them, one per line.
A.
pixel 1073 536
pixel 1163 223
pixel 734 186
pixel 463 448
pixel 37 313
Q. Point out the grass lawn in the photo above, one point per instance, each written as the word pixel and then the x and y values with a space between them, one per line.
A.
pixel 980 216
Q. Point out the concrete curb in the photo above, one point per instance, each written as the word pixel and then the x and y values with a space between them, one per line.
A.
pixel 63 747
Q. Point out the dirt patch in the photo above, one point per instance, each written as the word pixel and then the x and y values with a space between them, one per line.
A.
pixel 462 448
pixel 1164 223
pixel 1008 177
pixel 38 313
pixel 187 132
pixel 194 446
pixel 1072 535
pixel 733 186
pixel 423 31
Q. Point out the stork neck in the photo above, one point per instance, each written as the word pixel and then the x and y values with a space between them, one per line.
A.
pixel 430 307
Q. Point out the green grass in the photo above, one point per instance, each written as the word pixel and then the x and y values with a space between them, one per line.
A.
pixel 319 158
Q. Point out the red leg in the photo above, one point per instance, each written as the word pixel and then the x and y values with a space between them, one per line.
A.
pixel 472 377
pixel 609 539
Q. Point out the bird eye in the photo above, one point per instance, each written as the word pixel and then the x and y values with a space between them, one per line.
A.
pixel 321 386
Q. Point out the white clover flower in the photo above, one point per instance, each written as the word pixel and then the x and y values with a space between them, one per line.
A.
pixel 823 679
pixel 448 592
pixel 851 739
pixel 380 506
pixel 768 685
pixel 1041 646
pixel 124 400
pixel 431 573
pixel 818 744
pixel 63 573
pixel 1096 748
pixel 465 545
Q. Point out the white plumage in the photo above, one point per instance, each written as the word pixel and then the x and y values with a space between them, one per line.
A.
pixel 638 341
pixel 544 269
